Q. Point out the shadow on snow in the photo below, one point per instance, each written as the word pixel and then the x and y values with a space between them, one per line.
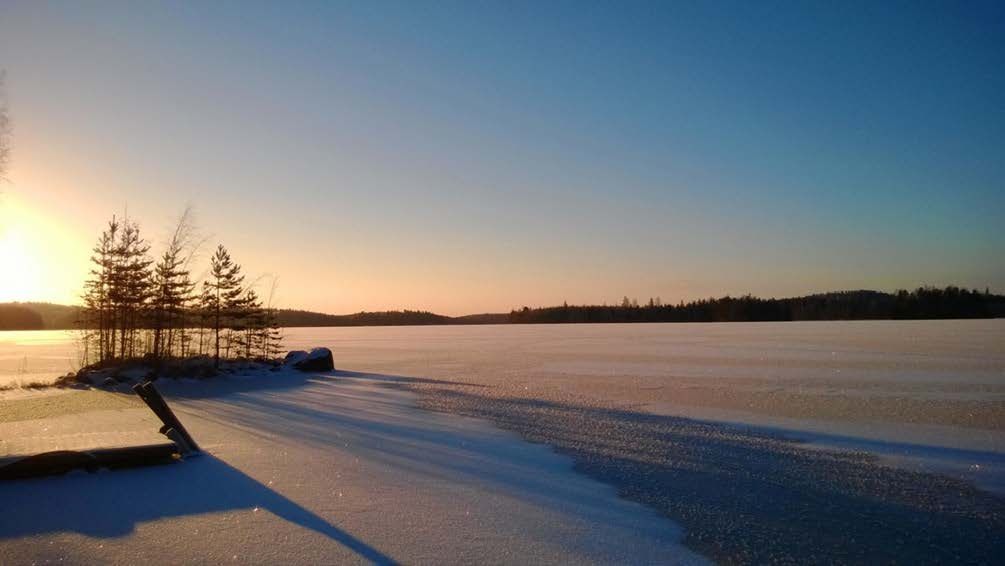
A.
pixel 744 495
pixel 111 504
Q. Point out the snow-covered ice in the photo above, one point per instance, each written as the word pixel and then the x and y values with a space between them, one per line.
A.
pixel 315 469
pixel 920 384
pixel 924 396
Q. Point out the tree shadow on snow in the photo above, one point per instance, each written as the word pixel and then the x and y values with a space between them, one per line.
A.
pixel 111 504
pixel 394 433
pixel 340 411
pixel 283 379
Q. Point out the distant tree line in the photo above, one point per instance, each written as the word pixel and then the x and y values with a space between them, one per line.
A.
pixel 47 316
pixel 14 316
pixel 926 302
pixel 44 316
pixel 135 305
pixel 922 303
pixel 293 317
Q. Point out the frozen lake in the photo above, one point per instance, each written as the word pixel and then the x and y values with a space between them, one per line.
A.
pixel 36 356
pixel 924 396
pixel 918 365
pixel 931 383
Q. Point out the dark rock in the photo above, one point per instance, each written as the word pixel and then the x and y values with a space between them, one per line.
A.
pixel 294 357
pixel 319 359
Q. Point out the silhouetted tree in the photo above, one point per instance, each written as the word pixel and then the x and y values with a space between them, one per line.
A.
pixel 132 285
pixel 172 289
pixel 272 334
pixel 97 317
pixel 246 322
pixel 118 292
pixel 135 306
pixel 222 292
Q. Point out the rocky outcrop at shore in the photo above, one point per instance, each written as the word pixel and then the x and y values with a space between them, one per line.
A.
pixel 136 370
pixel 318 359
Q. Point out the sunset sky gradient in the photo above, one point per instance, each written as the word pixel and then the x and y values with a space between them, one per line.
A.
pixel 467 157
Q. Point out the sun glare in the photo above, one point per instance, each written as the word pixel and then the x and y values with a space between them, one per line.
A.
pixel 19 271
pixel 22 256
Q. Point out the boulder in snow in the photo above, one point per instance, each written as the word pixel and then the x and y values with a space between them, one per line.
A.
pixel 294 357
pixel 318 359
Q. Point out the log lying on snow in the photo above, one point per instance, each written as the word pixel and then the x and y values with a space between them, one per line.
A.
pixel 318 359
pixel 59 462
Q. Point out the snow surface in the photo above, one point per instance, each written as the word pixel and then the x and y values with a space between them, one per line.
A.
pixel 315 469
pixel 96 429
pixel 926 394
pixel 36 356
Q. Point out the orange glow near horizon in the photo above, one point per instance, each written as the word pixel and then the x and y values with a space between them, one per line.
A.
pixel 40 260
pixel 19 272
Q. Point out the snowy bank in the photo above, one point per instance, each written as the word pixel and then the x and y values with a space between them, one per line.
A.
pixel 330 468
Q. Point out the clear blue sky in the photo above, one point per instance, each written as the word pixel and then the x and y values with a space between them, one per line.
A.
pixel 474 156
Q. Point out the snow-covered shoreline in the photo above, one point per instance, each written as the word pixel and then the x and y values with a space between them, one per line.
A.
pixel 298 446
pixel 315 468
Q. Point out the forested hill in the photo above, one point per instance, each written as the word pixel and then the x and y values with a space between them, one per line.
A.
pixel 922 303
pixel 37 316
pixel 291 318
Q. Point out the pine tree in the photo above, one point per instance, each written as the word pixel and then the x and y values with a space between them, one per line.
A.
pixel 118 293
pixel 221 293
pixel 172 288
pixel 97 306
pixel 271 332
pixel 179 326
pixel 205 314
pixel 250 321
pixel 134 306
pixel 131 285
pixel 272 336
pixel 167 298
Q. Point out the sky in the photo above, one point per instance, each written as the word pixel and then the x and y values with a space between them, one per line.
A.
pixel 467 157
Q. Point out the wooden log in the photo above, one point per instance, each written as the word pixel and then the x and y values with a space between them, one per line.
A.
pixel 159 406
